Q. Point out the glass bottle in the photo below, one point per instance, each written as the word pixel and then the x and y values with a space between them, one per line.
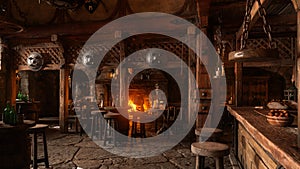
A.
pixel 12 116
pixel 5 114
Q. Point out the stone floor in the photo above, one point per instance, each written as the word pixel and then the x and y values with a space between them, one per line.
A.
pixel 72 151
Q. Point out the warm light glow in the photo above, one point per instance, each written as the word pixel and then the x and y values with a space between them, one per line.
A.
pixel 145 107
pixel 131 105
pixel 134 107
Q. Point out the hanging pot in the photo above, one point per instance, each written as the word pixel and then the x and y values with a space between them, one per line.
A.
pixel 254 55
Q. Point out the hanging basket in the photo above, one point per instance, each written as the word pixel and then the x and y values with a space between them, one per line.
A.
pixel 254 55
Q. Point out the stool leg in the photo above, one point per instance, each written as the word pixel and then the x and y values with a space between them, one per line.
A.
pixel 219 163
pixel 34 150
pixel 45 150
pixel 76 124
pixel 200 161
pixel 100 128
pixel 114 127
pixel 143 130
pixel 93 127
pixel 105 131
pixel 133 128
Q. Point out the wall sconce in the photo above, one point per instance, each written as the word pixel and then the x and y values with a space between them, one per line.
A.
pixel 70 81
pixel 18 77
pixel 112 73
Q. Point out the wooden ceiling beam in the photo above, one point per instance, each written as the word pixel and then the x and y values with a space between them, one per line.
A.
pixel 232 5
pixel 296 4
pixel 281 63
pixel 88 28
pixel 254 16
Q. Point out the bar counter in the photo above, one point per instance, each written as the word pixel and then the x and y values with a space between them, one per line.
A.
pixel 279 144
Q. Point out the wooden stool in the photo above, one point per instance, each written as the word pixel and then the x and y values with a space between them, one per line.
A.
pixel 97 123
pixel 35 130
pixel 141 133
pixel 110 127
pixel 73 119
pixel 209 149
pixel 211 134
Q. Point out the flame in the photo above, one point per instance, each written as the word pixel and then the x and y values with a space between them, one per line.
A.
pixel 131 105
pixel 145 107
pixel 134 107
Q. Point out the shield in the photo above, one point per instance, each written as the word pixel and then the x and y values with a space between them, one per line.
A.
pixel 91 5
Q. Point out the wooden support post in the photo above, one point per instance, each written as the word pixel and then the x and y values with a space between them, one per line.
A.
pixel 238 71
pixel 62 115
pixel 296 4
pixel 66 99
pixel 298 72
pixel 13 86
pixel 123 93
pixel 191 32
pixel 12 77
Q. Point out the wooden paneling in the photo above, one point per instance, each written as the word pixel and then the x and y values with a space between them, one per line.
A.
pixel 278 142
pixel 205 95
pixel 255 91
pixel 251 154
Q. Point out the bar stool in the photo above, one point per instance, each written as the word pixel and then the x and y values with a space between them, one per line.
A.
pixel 209 149
pixel 97 123
pixel 73 119
pixel 35 130
pixel 135 132
pixel 112 125
pixel 211 134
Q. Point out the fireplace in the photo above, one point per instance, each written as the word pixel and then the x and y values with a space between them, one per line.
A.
pixel 139 100
pixel 141 88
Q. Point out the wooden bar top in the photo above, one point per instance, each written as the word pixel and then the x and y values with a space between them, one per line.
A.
pixel 280 142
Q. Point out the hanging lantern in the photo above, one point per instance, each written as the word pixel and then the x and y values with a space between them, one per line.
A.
pixel 259 54
pixel 255 55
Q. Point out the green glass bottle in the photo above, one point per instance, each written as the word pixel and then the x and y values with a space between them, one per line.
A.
pixel 12 116
pixel 6 111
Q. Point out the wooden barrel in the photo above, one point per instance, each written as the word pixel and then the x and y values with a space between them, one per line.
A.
pixel 14 147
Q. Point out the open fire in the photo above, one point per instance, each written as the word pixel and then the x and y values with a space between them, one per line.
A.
pixel 133 106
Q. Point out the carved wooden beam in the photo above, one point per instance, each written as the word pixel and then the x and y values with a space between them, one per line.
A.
pixel 296 4
pixel 88 28
pixel 203 12
pixel 298 67
pixel 254 16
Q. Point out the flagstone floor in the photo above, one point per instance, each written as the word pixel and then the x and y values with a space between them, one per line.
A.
pixel 72 151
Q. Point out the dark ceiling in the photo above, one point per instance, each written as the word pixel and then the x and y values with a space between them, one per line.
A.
pixel 228 14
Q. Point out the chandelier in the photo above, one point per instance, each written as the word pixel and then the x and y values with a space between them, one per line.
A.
pixel 90 5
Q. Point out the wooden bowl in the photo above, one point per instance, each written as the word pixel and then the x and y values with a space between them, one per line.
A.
pixel 280 121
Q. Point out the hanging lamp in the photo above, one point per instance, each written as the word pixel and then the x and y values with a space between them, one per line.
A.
pixel 258 54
